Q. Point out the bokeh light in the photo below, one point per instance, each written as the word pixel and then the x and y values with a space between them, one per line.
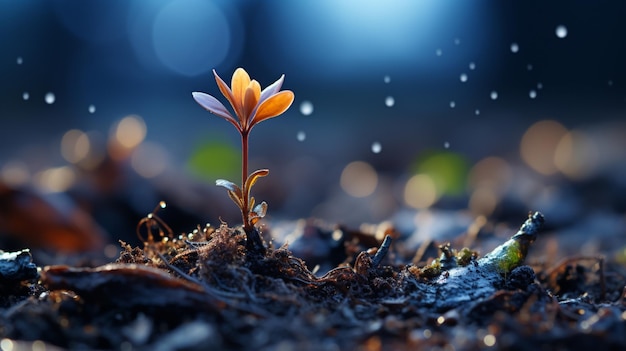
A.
pixel 49 98
pixel 56 179
pixel 306 108
pixel 191 36
pixel 149 160
pixel 75 146
pixel 215 159
pixel 185 37
pixel 420 191
pixel 561 31
pixel 539 143
pixel 129 132
pixel 492 172
pixel 576 155
pixel 359 179
pixel 447 169
pixel 15 173
pixel 483 201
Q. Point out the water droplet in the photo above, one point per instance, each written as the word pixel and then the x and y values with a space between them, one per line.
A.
pixel 376 147
pixel 561 31
pixel 457 41
pixel 438 52
pixel 92 108
pixel 472 66
pixel 463 77
pixel 539 86
pixel 301 136
pixel 446 145
pixel 49 98
pixel 387 79
pixel 25 95
pixel 452 104
pixel 494 95
pixel 514 48
pixel 529 67
pixel 306 107
pixel 477 112
pixel 532 94
pixel 389 101
pixel 20 60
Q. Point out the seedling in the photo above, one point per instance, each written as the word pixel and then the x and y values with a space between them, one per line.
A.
pixel 250 106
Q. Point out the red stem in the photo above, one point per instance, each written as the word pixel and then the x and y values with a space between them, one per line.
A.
pixel 244 178
pixel 244 158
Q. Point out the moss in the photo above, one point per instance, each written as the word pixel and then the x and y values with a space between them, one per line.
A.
pixel 465 256
pixel 510 257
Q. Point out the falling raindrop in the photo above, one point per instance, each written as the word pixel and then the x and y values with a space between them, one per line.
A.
pixel 514 48
pixel 301 136
pixel 561 31
pixel 472 66
pixel 387 79
pixel 457 41
pixel 376 147
pixel 463 77
pixel 389 101
pixel 438 52
pixel 452 104
pixel 20 60
pixel 446 145
pixel 477 112
pixel 494 95
pixel 25 95
pixel 539 86
pixel 529 67
pixel 306 107
pixel 92 108
pixel 532 94
pixel 50 98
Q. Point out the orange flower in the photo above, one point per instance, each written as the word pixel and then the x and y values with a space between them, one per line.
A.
pixel 250 104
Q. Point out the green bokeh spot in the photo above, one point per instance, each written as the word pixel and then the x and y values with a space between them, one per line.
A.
pixel 447 169
pixel 215 160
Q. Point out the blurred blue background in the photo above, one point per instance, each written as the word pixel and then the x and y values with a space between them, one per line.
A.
pixel 434 98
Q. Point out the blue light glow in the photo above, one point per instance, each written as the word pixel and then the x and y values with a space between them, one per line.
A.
pixel 345 37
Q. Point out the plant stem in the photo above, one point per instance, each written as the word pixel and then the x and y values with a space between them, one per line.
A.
pixel 244 157
pixel 254 242
pixel 244 178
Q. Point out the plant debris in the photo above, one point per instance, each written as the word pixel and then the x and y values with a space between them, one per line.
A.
pixel 16 266
pixel 203 290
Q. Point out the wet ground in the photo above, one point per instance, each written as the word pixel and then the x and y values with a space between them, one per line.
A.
pixel 339 288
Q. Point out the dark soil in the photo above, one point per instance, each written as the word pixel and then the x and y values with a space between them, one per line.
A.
pixel 205 291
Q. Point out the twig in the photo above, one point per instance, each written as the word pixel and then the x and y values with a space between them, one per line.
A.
pixel 382 251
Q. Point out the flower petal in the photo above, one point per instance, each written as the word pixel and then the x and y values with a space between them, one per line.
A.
pixel 212 105
pixel 272 107
pixel 272 89
pixel 226 92
pixel 238 85
pixel 251 99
